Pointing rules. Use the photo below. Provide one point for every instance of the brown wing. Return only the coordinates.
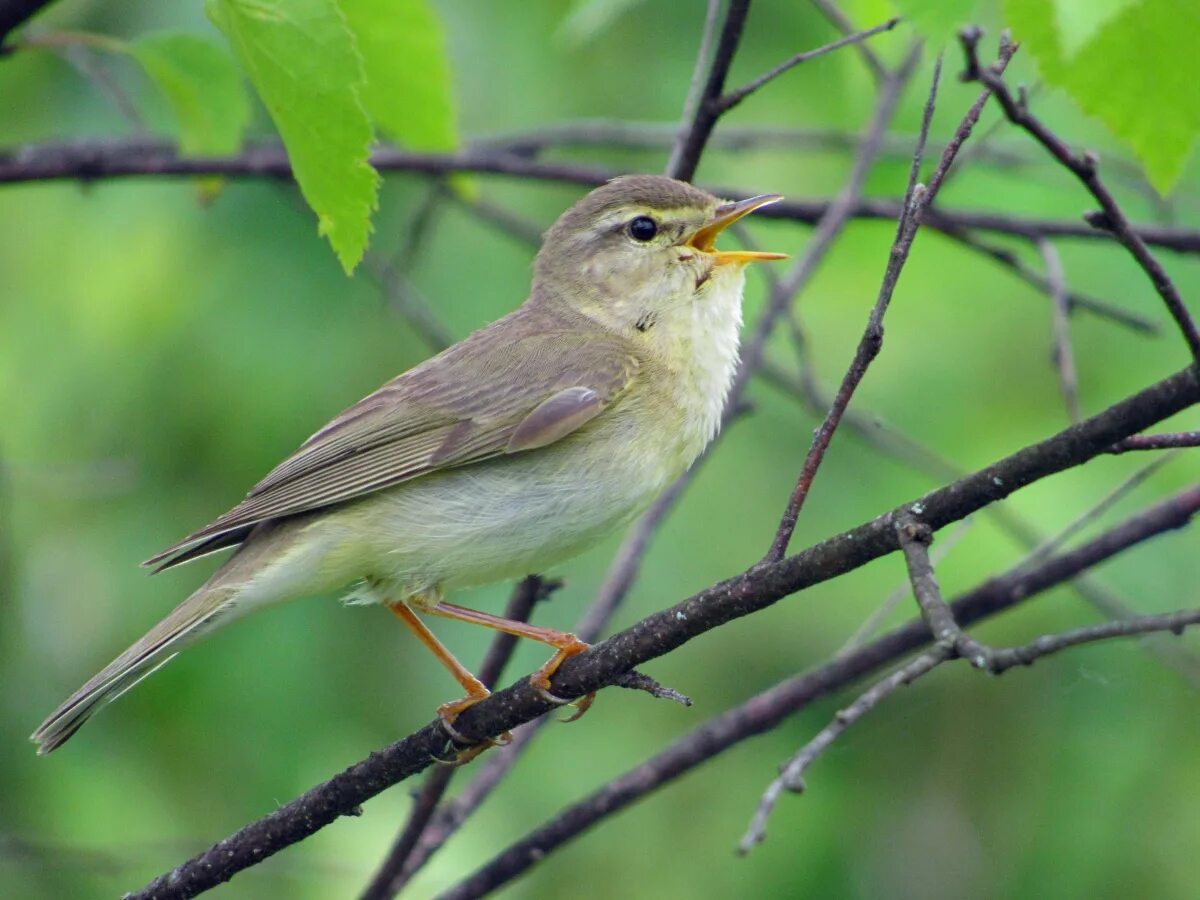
(499, 391)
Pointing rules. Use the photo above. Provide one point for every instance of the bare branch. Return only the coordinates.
(733, 98)
(696, 88)
(767, 709)
(1026, 655)
(1061, 354)
(915, 537)
(1086, 168)
(792, 776)
(89, 161)
(686, 155)
(1157, 442)
(842, 23)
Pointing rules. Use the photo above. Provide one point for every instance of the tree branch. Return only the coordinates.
(686, 155)
(89, 161)
(728, 101)
(1086, 168)
(767, 709)
(1157, 442)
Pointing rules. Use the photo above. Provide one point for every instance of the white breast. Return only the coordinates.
(703, 352)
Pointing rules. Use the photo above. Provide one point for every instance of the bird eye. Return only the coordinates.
(643, 228)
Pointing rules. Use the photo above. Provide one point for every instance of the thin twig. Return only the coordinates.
(1075, 301)
(686, 155)
(871, 341)
(1086, 167)
(767, 709)
(786, 289)
(1045, 645)
(792, 776)
(917, 200)
(731, 99)
(1061, 354)
(842, 23)
(915, 537)
(696, 88)
(1157, 441)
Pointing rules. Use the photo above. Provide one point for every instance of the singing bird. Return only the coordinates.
(505, 454)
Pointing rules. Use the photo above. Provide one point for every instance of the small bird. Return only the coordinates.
(507, 453)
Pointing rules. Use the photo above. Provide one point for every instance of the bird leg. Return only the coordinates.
(476, 690)
(565, 646)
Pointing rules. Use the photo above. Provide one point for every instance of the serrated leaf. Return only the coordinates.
(1138, 74)
(937, 20)
(300, 57)
(1079, 20)
(409, 89)
(204, 87)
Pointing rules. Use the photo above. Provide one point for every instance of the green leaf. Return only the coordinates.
(301, 58)
(1138, 73)
(1079, 20)
(204, 87)
(937, 20)
(408, 90)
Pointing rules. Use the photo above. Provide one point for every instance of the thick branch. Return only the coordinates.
(662, 632)
(767, 709)
(137, 157)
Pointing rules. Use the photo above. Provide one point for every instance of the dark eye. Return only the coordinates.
(643, 228)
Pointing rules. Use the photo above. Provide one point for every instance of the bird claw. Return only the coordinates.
(581, 704)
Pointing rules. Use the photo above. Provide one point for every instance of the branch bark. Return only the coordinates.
(90, 161)
(767, 709)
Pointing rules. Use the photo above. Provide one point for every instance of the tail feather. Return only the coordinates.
(194, 617)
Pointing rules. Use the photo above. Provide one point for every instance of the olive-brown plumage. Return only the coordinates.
(513, 449)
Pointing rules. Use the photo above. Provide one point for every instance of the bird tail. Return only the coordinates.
(194, 617)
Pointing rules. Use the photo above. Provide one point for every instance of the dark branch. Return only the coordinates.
(1086, 167)
(1157, 442)
(734, 97)
(687, 153)
(767, 709)
(89, 161)
(917, 200)
(1074, 301)
(1026, 655)
(662, 632)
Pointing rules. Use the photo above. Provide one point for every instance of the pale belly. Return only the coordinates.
(479, 524)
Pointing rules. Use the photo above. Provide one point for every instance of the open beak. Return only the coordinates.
(705, 239)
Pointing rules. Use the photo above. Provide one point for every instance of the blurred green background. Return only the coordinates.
(158, 355)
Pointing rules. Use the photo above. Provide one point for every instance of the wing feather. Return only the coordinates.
(461, 407)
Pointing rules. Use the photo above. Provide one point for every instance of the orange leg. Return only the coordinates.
(565, 645)
(476, 690)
